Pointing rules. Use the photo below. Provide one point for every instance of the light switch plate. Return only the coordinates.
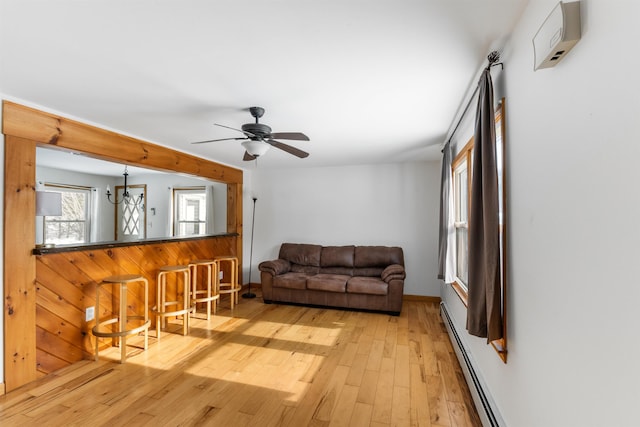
(89, 314)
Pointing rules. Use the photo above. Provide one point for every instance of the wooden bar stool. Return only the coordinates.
(182, 305)
(230, 286)
(121, 320)
(211, 293)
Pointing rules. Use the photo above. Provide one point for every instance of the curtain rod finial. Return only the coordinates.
(493, 57)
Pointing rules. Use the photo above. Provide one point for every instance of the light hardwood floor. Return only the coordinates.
(265, 365)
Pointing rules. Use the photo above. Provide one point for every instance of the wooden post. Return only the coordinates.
(19, 264)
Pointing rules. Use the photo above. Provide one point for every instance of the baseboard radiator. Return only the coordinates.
(484, 403)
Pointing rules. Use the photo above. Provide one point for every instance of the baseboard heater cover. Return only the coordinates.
(484, 403)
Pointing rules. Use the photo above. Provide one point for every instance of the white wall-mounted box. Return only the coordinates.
(557, 35)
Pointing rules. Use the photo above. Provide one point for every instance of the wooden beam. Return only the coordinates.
(234, 220)
(19, 264)
(59, 132)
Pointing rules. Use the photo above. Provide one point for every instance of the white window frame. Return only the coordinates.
(463, 162)
(57, 220)
(178, 214)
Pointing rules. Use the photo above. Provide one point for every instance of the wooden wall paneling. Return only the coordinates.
(118, 261)
(48, 363)
(71, 294)
(50, 343)
(19, 265)
(176, 254)
(61, 264)
(52, 302)
(59, 327)
(201, 251)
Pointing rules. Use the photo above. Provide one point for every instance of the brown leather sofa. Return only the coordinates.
(357, 277)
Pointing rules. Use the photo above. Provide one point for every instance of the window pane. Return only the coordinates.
(462, 249)
(190, 212)
(71, 226)
(74, 206)
(461, 193)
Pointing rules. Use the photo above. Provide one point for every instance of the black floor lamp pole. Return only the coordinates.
(253, 221)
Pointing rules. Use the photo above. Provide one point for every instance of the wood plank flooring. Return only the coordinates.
(264, 365)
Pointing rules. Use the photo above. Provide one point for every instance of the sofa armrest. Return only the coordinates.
(275, 267)
(393, 272)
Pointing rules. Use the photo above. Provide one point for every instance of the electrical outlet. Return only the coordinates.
(89, 313)
(221, 275)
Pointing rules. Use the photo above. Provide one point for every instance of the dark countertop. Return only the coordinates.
(114, 244)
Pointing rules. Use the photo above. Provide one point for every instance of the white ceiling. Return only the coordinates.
(373, 81)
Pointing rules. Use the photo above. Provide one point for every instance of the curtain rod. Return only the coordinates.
(493, 59)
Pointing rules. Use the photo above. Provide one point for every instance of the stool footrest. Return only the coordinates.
(172, 313)
(124, 333)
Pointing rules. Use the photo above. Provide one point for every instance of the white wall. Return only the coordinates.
(572, 153)
(391, 204)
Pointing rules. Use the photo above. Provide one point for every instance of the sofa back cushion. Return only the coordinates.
(337, 260)
(304, 258)
(372, 260)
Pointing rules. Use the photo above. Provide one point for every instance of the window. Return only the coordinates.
(189, 211)
(461, 166)
(73, 226)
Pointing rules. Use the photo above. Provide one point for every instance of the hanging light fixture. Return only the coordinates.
(126, 197)
(256, 147)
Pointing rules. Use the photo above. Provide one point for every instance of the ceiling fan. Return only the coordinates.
(259, 138)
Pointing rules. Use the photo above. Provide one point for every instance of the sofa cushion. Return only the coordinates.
(343, 271)
(367, 285)
(368, 272)
(377, 256)
(304, 269)
(300, 253)
(291, 281)
(328, 282)
(337, 256)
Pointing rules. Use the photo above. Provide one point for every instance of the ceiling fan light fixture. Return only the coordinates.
(256, 148)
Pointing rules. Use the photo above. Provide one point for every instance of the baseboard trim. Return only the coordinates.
(421, 298)
(253, 286)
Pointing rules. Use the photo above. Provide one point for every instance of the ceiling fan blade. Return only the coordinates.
(289, 149)
(216, 140)
(298, 136)
(239, 130)
(248, 157)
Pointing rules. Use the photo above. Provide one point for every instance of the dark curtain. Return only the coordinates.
(484, 317)
(445, 184)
